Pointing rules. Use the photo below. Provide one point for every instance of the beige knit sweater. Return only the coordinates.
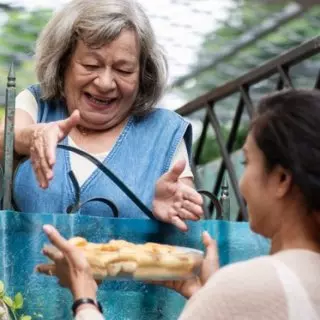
(285, 286)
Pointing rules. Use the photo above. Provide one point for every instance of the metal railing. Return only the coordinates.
(8, 145)
(280, 66)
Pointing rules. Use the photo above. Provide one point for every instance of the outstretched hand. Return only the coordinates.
(210, 265)
(43, 144)
(175, 200)
(70, 266)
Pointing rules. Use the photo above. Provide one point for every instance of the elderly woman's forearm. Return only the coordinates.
(22, 138)
(24, 127)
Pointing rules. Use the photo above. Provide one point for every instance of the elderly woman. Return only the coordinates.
(281, 185)
(100, 75)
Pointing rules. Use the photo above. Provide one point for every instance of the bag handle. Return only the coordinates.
(214, 199)
(112, 177)
(75, 207)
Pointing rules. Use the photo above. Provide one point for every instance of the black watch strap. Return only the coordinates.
(81, 301)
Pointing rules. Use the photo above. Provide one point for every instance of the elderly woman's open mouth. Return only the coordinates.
(100, 102)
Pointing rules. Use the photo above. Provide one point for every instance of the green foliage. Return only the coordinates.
(20, 32)
(18, 301)
(17, 43)
(14, 305)
(244, 17)
(211, 150)
(1, 289)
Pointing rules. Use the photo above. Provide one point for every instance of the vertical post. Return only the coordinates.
(9, 139)
(227, 160)
(225, 199)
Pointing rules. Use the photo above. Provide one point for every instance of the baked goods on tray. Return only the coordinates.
(149, 261)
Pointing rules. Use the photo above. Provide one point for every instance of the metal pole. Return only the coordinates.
(9, 139)
(225, 199)
(226, 158)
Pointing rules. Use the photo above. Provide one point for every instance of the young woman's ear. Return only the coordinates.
(283, 181)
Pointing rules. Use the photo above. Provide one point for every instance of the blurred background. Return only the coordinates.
(208, 43)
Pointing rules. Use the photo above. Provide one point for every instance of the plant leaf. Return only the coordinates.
(8, 301)
(1, 288)
(18, 301)
(25, 318)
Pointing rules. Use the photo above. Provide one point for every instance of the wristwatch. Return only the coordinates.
(81, 301)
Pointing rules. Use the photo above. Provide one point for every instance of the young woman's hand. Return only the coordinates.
(210, 265)
(70, 266)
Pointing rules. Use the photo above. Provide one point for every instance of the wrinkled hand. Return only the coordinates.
(70, 266)
(176, 201)
(44, 140)
(210, 265)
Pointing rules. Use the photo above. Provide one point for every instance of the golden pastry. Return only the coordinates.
(120, 258)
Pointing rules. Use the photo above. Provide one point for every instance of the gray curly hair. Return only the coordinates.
(98, 22)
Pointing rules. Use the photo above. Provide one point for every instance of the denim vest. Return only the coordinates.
(142, 153)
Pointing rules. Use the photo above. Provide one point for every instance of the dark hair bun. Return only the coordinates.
(287, 130)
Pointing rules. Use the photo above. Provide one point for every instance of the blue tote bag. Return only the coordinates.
(22, 239)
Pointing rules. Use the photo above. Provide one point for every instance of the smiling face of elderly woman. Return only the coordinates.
(102, 57)
(103, 83)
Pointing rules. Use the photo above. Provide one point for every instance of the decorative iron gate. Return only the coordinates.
(279, 66)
